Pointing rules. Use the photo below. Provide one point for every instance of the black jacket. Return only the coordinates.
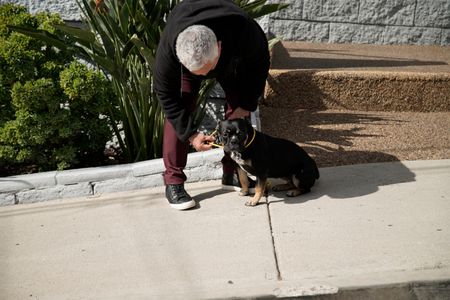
(243, 64)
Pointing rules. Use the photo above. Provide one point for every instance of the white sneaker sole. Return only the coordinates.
(183, 206)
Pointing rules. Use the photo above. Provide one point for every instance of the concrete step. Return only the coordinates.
(359, 77)
(351, 104)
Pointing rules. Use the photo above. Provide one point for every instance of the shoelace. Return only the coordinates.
(178, 191)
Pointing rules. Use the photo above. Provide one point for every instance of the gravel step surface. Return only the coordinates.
(336, 137)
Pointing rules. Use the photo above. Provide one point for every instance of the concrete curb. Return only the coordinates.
(432, 289)
(52, 185)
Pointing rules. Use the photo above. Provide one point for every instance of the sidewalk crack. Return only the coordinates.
(274, 248)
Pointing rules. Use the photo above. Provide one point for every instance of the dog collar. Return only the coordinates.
(253, 138)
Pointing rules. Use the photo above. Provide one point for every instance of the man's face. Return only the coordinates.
(210, 65)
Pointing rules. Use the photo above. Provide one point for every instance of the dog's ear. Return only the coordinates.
(246, 120)
(249, 124)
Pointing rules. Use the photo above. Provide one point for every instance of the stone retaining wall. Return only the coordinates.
(332, 21)
(45, 186)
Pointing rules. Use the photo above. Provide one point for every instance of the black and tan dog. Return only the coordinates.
(264, 156)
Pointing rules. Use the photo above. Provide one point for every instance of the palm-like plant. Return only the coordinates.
(121, 38)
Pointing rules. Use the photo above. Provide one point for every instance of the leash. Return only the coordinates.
(212, 143)
(253, 138)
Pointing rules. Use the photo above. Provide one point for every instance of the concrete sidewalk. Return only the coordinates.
(361, 228)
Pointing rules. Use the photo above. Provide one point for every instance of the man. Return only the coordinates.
(205, 39)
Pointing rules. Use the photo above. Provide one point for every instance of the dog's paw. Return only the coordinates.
(296, 192)
(250, 203)
(293, 193)
(244, 192)
(282, 187)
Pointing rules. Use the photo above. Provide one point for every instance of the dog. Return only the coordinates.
(264, 156)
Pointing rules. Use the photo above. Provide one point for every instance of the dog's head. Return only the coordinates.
(234, 134)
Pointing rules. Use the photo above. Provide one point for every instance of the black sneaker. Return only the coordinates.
(231, 182)
(178, 197)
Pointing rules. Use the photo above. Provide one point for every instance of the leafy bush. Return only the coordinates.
(52, 108)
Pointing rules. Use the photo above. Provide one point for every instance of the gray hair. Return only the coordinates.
(196, 46)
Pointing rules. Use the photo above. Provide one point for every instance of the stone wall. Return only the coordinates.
(92, 182)
(332, 21)
(68, 9)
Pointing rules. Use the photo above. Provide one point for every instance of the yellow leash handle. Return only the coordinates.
(215, 145)
(212, 143)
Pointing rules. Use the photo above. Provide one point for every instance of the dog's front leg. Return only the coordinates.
(243, 179)
(259, 191)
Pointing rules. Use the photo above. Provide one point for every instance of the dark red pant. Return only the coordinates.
(175, 151)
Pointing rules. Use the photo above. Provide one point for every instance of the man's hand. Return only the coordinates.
(239, 113)
(200, 141)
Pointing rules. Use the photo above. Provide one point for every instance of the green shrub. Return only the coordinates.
(55, 134)
(52, 108)
(23, 58)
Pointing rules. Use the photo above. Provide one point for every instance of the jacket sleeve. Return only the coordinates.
(254, 67)
(167, 75)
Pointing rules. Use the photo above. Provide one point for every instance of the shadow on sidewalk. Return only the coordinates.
(337, 183)
(352, 181)
(208, 195)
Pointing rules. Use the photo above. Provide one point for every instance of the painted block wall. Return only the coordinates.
(364, 21)
(414, 22)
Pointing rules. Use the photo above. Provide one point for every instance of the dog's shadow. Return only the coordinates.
(208, 195)
(350, 181)
(342, 182)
